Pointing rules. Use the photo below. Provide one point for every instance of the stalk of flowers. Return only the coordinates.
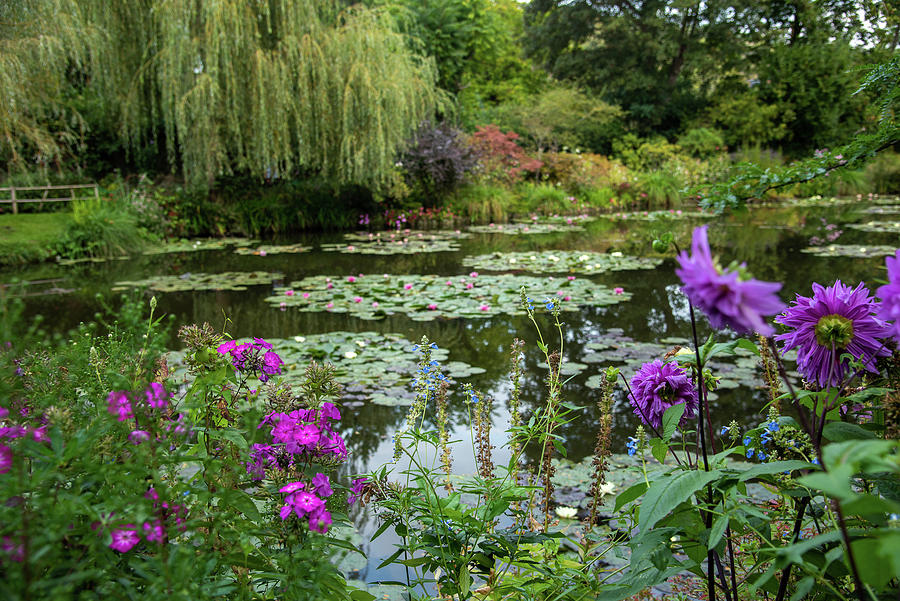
(253, 358)
(306, 500)
(426, 382)
(167, 517)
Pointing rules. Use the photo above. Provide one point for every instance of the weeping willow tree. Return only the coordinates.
(44, 44)
(264, 87)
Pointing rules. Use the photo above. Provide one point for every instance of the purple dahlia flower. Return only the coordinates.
(890, 295)
(725, 298)
(836, 320)
(656, 387)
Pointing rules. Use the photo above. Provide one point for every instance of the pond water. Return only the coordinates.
(475, 325)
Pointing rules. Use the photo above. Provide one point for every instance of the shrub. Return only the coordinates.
(578, 172)
(702, 141)
(660, 189)
(542, 198)
(501, 157)
(642, 154)
(437, 161)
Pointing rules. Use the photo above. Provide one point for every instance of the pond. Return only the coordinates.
(325, 296)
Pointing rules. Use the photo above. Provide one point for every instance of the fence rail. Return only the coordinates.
(17, 200)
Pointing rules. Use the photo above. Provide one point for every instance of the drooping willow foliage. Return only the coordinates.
(40, 43)
(262, 87)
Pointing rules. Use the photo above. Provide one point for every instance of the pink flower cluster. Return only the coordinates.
(11, 431)
(307, 500)
(151, 403)
(126, 536)
(256, 358)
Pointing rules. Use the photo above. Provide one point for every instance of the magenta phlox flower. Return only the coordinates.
(727, 299)
(334, 444)
(304, 502)
(262, 343)
(262, 456)
(320, 520)
(322, 485)
(119, 405)
(12, 432)
(154, 533)
(138, 436)
(328, 411)
(39, 434)
(834, 321)
(227, 347)
(6, 458)
(4, 412)
(14, 551)
(124, 538)
(656, 387)
(292, 487)
(359, 484)
(890, 295)
(156, 395)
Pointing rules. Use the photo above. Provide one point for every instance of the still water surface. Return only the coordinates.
(768, 239)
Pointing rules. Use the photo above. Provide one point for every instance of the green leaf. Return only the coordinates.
(666, 493)
(240, 501)
(659, 449)
(775, 467)
(843, 431)
(670, 420)
(630, 494)
(465, 581)
(231, 435)
(359, 595)
(717, 530)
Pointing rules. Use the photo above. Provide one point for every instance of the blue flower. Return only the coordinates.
(765, 438)
(761, 455)
(747, 441)
(549, 304)
(773, 426)
(631, 445)
(750, 452)
(815, 461)
(724, 430)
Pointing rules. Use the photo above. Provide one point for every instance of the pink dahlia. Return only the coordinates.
(890, 295)
(656, 387)
(726, 298)
(837, 320)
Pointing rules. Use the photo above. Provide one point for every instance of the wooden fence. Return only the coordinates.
(16, 197)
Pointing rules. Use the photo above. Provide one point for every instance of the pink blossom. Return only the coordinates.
(484, 308)
(432, 306)
(306, 295)
(351, 248)
(618, 290)
(329, 286)
(570, 278)
(357, 299)
(289, 293)
(375, 305)
(282, 305)
(407, 286)
(474, 274)
(449, 283)
(567, 298)
(351, 279)
(262, 253)
(469, 286)
(560, 293)
(123, 539)
(329, 306)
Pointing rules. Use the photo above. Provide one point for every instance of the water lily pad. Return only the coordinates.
(850, 250)
(229, 280)
(880, 227)
(426, 297)
(272, 249)
(560, 261)
(883, 210)
(399, 242)
(513, 229)
(180, 246)
(371, 367)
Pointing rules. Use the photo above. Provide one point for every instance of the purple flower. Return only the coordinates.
(271, 364)
(123, 539)
(726, 298)
(262, 455)
(320, 520)
(138, 436)
(262, 343)
(356, 491)
(6, 458)
(890, 295)
(154, 532)
(322, 485)
(156, 396)
(226, 347)
(836, 320)
(303, 502)
(656, 387)
(119, 405)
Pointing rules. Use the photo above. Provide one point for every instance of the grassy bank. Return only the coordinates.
(31, 237)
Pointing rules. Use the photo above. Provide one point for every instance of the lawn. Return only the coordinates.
(30, 236)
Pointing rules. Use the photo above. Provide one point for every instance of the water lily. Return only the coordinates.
(351, 279)
(618, 290)
(289, 293)
(299, 339)
(357, 299)
(484, 308)
(350, 355)
(432, 307)
(567, 513)
(329, 306)
(306, 295)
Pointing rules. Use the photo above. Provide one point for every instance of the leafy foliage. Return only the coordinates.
(437, 161)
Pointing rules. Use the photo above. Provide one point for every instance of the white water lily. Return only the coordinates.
(615, 254)
(360, 343)
(607, 488)
(512, 260)
(583, 258)
(553, 258)
(299, 339)
(566, 512)
(349, 354)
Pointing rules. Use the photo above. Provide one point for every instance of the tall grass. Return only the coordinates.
(480, 203)
(542, 198)
(102, 228)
